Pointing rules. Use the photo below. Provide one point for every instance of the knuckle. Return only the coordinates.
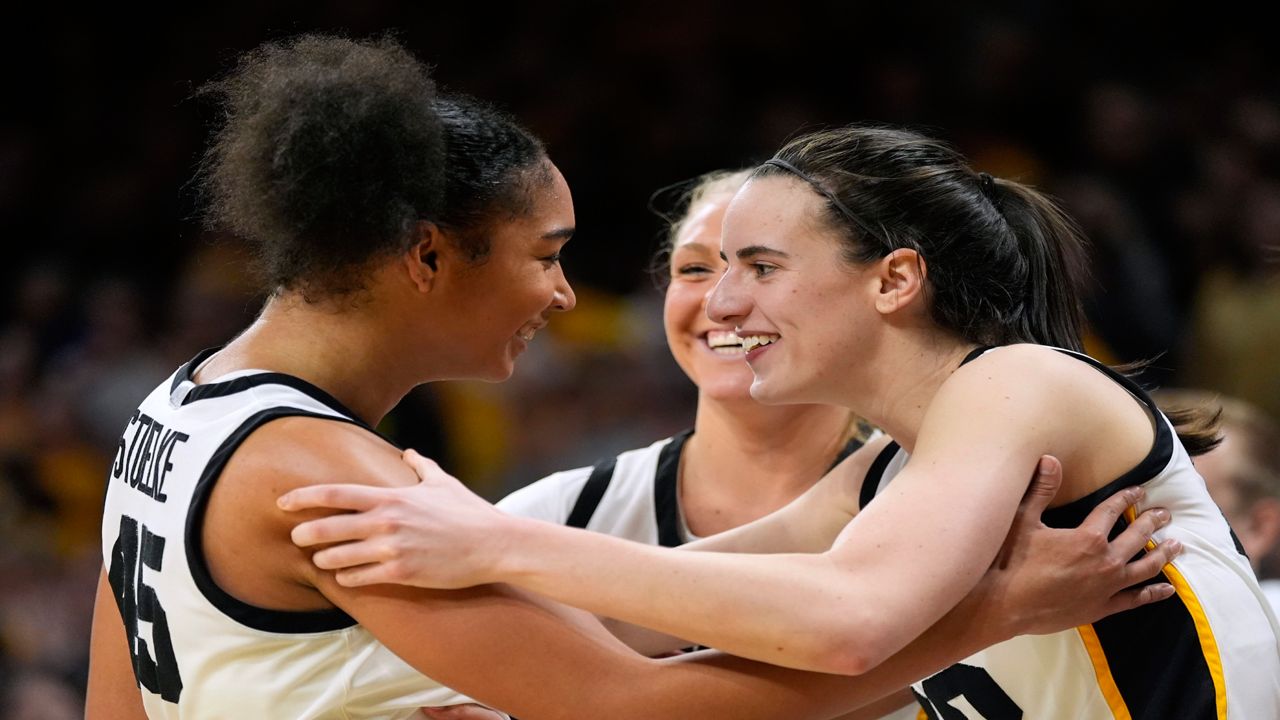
(1110, 565)
(395, 571)
(391, 552)
(1095, 539)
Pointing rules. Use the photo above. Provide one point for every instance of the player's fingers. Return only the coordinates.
(355, 554)
(1149, 565)
(1135, 537)
(373, 574)
(424, 467)
(338, 497)
(1043, 488)
(1130, 599)
(337, 528)
(1103, 517)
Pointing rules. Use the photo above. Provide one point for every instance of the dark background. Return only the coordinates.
(1158, 128)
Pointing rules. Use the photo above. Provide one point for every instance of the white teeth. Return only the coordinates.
(751, 342)
(721, 339)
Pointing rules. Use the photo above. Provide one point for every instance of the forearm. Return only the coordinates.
(958, 635)
(703, 597)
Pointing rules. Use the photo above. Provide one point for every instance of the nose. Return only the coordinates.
(726, 303)
(564, 300)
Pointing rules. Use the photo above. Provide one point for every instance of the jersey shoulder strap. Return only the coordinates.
(589, 499)
(875, 474)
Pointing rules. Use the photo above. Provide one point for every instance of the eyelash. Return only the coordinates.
(693, 270)
(762, 269)
(552, 259)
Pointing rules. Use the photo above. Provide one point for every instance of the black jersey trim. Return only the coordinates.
(240, 384)
(666, 491)
(592, 492)
(275, 621)
(1156, 460)
(875, 474)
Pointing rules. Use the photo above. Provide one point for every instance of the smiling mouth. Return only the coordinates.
(724, 342)
(526, 333)
(751, 342)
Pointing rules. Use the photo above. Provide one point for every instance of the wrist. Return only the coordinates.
(987, 622)
(509, 550)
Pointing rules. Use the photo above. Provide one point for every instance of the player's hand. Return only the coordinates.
(463, 712)
(1046, 580)
(436, 534)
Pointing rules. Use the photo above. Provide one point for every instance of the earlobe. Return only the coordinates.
(423, 259)
(900, 279)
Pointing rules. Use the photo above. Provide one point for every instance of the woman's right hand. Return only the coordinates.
(1046, 579)
(435, 534)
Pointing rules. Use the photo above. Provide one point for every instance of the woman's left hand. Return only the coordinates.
(435, 534)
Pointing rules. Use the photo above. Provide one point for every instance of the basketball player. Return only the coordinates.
(873, 268)
(741, 461)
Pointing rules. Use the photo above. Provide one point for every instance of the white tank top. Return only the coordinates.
(1212, 652)
(197, 651)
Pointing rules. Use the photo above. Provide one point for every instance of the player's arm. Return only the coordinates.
(808, 524)
(113, 691)
(554, 663)
(883, 582)
(811, 522)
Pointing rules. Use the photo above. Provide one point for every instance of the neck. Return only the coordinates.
(746, 460)
(904, 380)
(345, 350)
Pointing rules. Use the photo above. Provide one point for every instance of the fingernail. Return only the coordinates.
(284, 502)
(1163, 516)
(1164, 590)
(1139, 493)
(1176, 547)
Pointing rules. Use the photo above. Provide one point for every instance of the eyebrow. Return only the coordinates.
(694, 247)
(751, 251)
(563, 233)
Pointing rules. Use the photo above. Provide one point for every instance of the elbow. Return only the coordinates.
(852, 648)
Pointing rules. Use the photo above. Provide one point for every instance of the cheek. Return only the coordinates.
(681, 307)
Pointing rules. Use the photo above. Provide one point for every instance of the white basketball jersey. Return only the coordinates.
(1212, 652)
(197, 651)
(633, 496)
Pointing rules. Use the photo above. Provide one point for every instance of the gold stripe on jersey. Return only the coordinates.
(1208, 645)
(1106, 683)
(1207, 641)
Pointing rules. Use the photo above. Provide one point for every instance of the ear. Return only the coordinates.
(1264, 525)
(900, 278)
(423, 259)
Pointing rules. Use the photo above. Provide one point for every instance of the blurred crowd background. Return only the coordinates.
(1158, 128)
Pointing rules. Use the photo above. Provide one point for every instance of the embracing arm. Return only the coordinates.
(555, 663)
(113, 692)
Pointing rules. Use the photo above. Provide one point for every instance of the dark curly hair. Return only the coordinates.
(492, 167)
(329, 153)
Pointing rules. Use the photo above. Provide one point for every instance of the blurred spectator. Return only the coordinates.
(1235, 327)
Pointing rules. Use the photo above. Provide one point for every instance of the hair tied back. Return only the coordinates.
(988, 185)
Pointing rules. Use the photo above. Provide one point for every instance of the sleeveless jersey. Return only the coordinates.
(197, 651)
(633, 496)
(1210, 653)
